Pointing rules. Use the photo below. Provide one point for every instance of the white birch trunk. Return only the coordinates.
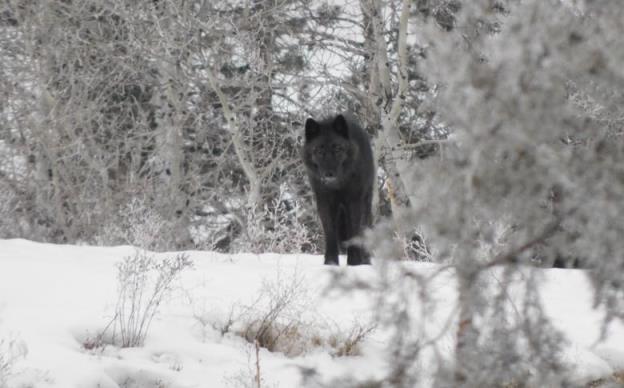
(390, 103)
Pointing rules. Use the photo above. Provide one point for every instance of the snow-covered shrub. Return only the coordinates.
(251, 376)
(11, 351)
(136, 224)
(143, 284)
(281, 319)
(216, 228)
(283, 224)
(346, 343)
(532, 92)
(277, 227)
(276, 319)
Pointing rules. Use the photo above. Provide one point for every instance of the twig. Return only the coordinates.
(507, 257)
(258, 385)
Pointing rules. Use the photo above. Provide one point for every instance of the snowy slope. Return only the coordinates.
(54, 298)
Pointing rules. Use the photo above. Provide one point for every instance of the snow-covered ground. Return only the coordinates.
(54, 299)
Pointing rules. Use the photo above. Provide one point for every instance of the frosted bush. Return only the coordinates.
(136, 224)
(277, 228)
(143, 284)
(11, 351)
(530, 89)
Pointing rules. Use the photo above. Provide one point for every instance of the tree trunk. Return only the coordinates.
(170, 147)
(389, 103)
(242, 153)
(466, 335)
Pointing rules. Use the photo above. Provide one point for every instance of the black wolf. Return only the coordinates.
(339, 160)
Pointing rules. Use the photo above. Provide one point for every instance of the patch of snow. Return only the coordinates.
(56, 298)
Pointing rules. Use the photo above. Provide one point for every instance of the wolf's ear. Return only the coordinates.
(312, 129)
(341, 127)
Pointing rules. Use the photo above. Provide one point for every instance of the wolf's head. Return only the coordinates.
(328, 153)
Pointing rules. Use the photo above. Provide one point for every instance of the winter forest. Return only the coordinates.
(159, 230)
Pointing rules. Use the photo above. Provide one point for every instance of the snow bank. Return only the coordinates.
(56, 298)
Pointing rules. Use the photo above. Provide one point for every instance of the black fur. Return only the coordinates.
(339, 161)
